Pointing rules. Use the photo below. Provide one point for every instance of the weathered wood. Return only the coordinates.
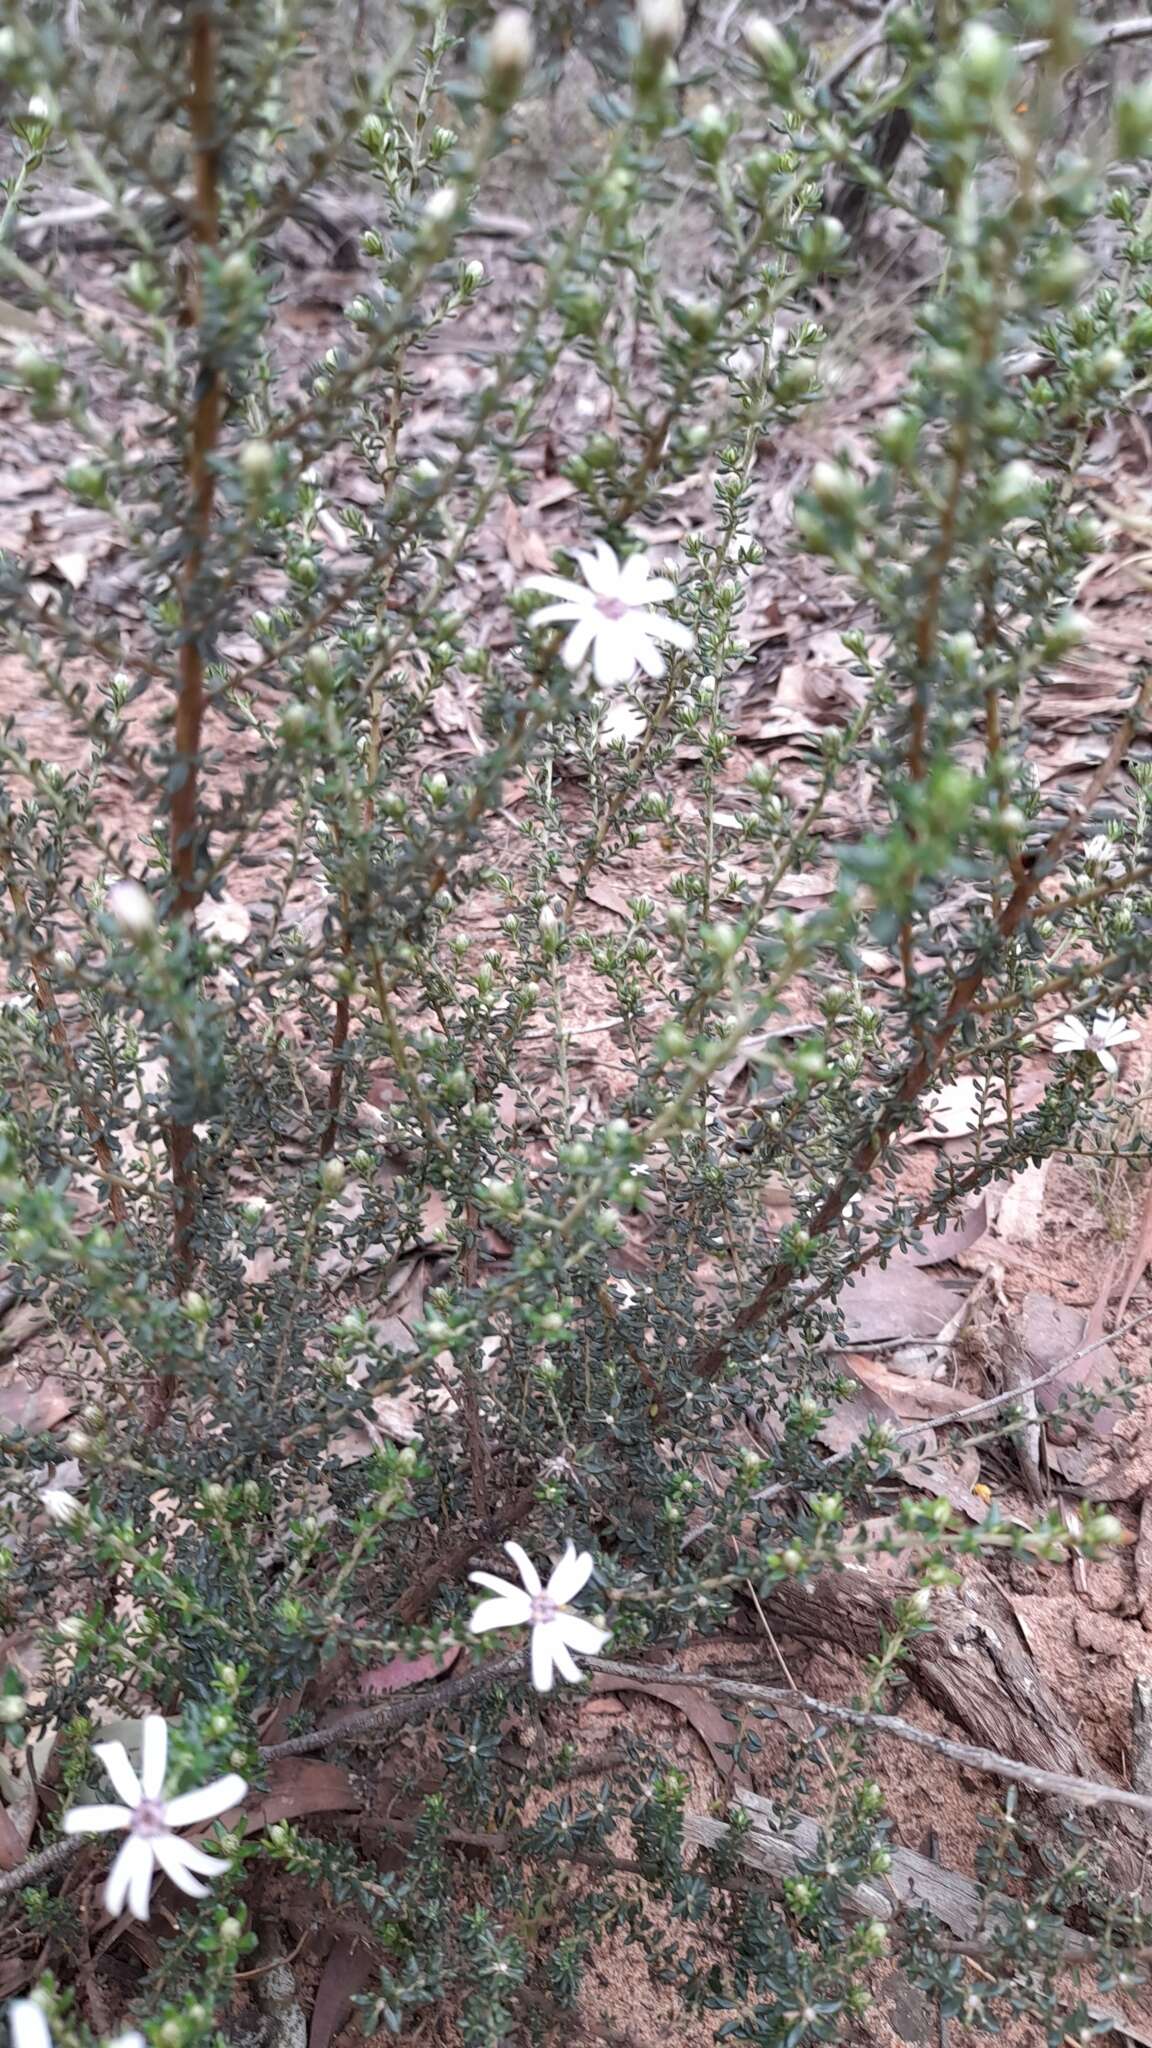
(913, 1881)
(976, 1668)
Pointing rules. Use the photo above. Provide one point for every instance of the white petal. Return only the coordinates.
(570, 1576)
(583, 1635)
(551, 614)
(563, 1662)
(524, 1566)
(613, 661)
(95, 1820)
(168, 1850)
(114, 1758)
(129, 2040)
(622, 721)
(154, 1755)
(489, 1580)
(130, 1879)
(189, 1807)
(646, 653)
(673, 632)
(1107, 1060)
(510, 1613)
(601, 570)
(541, 1657)
(557, 586)
(175, 1855)
(579, 640)
(633, 584)
(27, 2026)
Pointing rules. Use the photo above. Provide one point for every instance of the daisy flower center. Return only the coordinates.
(612, 607)
(148, 1818)
(542, 1611)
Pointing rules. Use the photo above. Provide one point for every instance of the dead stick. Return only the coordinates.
(1077, 1791)
(1042, 1379)
(400, 1712)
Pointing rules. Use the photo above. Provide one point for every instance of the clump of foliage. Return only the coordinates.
(320, 991)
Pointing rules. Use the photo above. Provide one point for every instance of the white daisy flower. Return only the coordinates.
(1103, 854)
(556, 1631)
(1072, 1035)
(60, 1505)
(149, 1819)
(28, 2028)
(611, 616)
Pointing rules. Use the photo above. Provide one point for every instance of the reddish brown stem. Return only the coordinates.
(336, 1077)
(449, 1563)
(919, 1072)
(184, 822)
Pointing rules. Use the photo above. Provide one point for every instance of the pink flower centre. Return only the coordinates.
(542, 1610)
(612, 607)
(148, 1818)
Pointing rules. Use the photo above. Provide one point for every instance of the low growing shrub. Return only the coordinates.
(342, 1279)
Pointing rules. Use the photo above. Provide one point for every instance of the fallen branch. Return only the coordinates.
(1043, 1379)
(397, 1713)
(1054, 1784)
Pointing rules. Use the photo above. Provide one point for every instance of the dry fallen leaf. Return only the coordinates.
(913, 1400)
(1021, 1210)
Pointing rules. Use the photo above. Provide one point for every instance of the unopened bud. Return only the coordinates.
(130, 908)
(332, 1177)
(257, 461)
(661, 25)
(985, 58)
(1013, 490)
(772, 51)
(835, 488)
(509, 51)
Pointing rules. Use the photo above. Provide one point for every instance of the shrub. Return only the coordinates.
(291, 1013)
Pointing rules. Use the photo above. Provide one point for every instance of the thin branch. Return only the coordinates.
(1055, 1784)
(184, 821)
(1044, 1379)
(397, 1713)
(402, 1711)
(922, 1069)
(449, 1563)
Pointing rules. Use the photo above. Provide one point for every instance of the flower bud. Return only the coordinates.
(332, 1176)
(551, 931)
(295, 725)
(257, 464)
(709, 133)
(509, 52)
(772, 51)
(36, 371)
(835, 488)
(985, 59)
(130, 908)
(1013, 490)
(440, 210)
(87, 481)
(661, 26)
